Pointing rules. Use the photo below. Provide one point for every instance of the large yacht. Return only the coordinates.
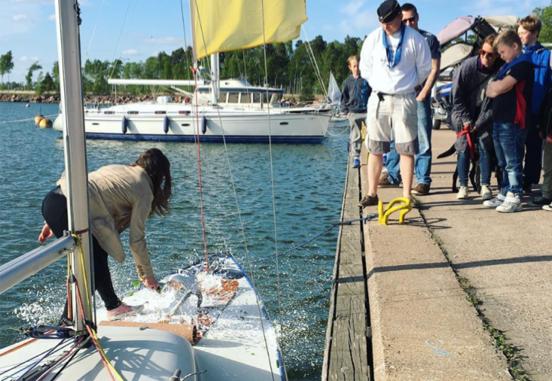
(239, 113)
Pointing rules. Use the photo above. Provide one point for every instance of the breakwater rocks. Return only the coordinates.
(28, 98)
(89, 99)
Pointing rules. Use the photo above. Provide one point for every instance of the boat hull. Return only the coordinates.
(230, 127)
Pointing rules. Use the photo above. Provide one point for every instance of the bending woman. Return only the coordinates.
(120, 197)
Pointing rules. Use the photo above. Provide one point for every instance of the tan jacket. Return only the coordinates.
(119, 197)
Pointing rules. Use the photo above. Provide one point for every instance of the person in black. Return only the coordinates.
(469, 116)
(354, 99)
(511, 93)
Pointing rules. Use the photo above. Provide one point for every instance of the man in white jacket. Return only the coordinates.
(396, 60)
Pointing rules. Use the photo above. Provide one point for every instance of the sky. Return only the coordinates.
(136, 29)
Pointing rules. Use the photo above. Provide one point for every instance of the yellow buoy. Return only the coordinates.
(37, 119)
(45, 123)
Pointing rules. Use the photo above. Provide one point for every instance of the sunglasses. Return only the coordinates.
(487, 54)
(409, 20)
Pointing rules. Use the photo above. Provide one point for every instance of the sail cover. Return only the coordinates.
(223, 25)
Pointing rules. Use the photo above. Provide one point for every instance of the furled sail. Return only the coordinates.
(223, 25)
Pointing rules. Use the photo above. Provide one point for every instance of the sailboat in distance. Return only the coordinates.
(206, 323)
(228, 110)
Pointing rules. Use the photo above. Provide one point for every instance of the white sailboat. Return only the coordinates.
(207, 323)
(239, 115)
(337, 120)
(229, 111)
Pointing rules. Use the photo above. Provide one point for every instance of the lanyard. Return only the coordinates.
(393, 60)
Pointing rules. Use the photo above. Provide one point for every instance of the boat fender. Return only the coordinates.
(38, 118)
(124, 125)
(166, 124)
(45, 123)
(203, 125)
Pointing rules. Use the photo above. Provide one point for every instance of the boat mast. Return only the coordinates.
(68, 20)
(215, 76)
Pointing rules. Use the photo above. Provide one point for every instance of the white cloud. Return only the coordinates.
(165, 40)
(130, 52)
(28, 59)
(502, 7)
(52, 17)
(19, 17)
(353, 7)
(359, 18)
(32, 2)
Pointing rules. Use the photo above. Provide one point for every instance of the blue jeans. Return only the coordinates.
(422, 161)
(509, 142)
(463, 164)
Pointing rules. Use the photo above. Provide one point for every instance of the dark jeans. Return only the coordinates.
(54, 211)
(509, 141)
(533, 156)
(463, 164)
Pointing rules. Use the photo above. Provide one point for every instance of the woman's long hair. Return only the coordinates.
(158, 167)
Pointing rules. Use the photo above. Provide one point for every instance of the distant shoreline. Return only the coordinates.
(31, 97)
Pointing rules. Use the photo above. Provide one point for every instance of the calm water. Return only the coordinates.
(308, 182)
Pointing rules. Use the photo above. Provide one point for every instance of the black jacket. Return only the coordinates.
(354, 96)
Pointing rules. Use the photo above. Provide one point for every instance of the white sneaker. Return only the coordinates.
(486, 193)
(462, 193)
(511, 204)
(495, 202)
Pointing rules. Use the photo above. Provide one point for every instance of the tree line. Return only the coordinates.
(302, 67)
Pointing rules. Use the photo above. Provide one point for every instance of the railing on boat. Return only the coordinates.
(25, 266)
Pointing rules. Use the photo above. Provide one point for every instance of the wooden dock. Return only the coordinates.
(348, 350)
(419, 300)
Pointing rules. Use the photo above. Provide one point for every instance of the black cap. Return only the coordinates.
(388, 10)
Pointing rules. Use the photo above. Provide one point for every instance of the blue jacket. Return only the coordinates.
(540, 57)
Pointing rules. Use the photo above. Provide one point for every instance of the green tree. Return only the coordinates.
(545, 14)
(55, 75)
(95, 76)
(6, 64)
(45, 84)
(29, 76)
(151, 68)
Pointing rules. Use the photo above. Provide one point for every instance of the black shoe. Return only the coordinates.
(527, 189)
(369, 201)
(540, 201)
(421, 189)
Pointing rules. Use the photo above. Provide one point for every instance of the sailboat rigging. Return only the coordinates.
(230, 109)
(228, 335)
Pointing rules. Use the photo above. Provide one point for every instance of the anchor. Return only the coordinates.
(403, 205)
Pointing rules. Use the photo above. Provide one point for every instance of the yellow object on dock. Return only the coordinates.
(403, 205)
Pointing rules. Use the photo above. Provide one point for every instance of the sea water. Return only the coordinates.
(239, 183)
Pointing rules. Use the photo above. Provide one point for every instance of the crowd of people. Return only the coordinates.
(500, 110)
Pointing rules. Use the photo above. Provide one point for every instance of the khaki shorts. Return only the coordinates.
(395, 118)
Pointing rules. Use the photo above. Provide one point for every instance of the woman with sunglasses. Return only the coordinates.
(472, 118)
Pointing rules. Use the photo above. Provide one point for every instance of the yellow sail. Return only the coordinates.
(223, 25)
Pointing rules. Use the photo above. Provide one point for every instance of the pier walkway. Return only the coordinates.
(459, 292)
